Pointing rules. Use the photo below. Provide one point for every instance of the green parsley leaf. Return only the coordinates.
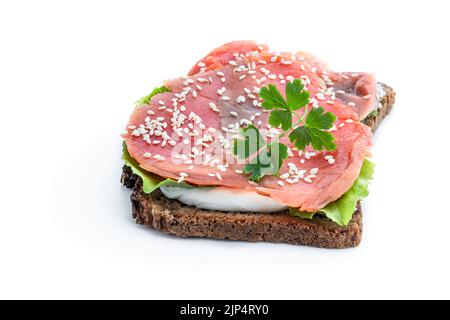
(318, 119)
(258, 170)
(313, 130)
(304, 136)
(312, 133)
(268, 162)
(321, 140)
(278, 153)
(272, 98)
(281, 118)
(253, 141)
(262, 164)
(295, 95)
(300, 137)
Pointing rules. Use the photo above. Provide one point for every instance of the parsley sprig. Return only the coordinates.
(311, 128)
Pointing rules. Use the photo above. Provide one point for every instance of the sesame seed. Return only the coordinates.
(233, 114)
(242, 77)
(341, 125)
(349, 121)
(252, 183)
(351, 104)
(280, 183)
(218, 176)
(160, 102)
(220, 73)
(238, 171)
(314, 170)
(201, 65)
(213, 107)
(225, 98)
(150, 112)
(194, 94)
(223, 80)
(221, 91)
(320, 96)
(307, 179)
(367, 97)
(284, 176)
(240, 99)
(147, 155)
(286, 62)
(232, 63)
(159, 157)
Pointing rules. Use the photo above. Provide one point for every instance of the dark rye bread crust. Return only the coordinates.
(173, 217)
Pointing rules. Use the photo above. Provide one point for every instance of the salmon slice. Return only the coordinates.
(186, 134)
(356, 89)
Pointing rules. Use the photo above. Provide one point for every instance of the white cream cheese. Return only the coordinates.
(223, 199)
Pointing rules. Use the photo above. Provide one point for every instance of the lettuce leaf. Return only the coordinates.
(146, 99)
(341, 211)
(150, 181)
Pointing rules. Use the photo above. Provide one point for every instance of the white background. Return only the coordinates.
(69, 74)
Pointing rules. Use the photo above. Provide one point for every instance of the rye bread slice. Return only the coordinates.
(175, 218)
